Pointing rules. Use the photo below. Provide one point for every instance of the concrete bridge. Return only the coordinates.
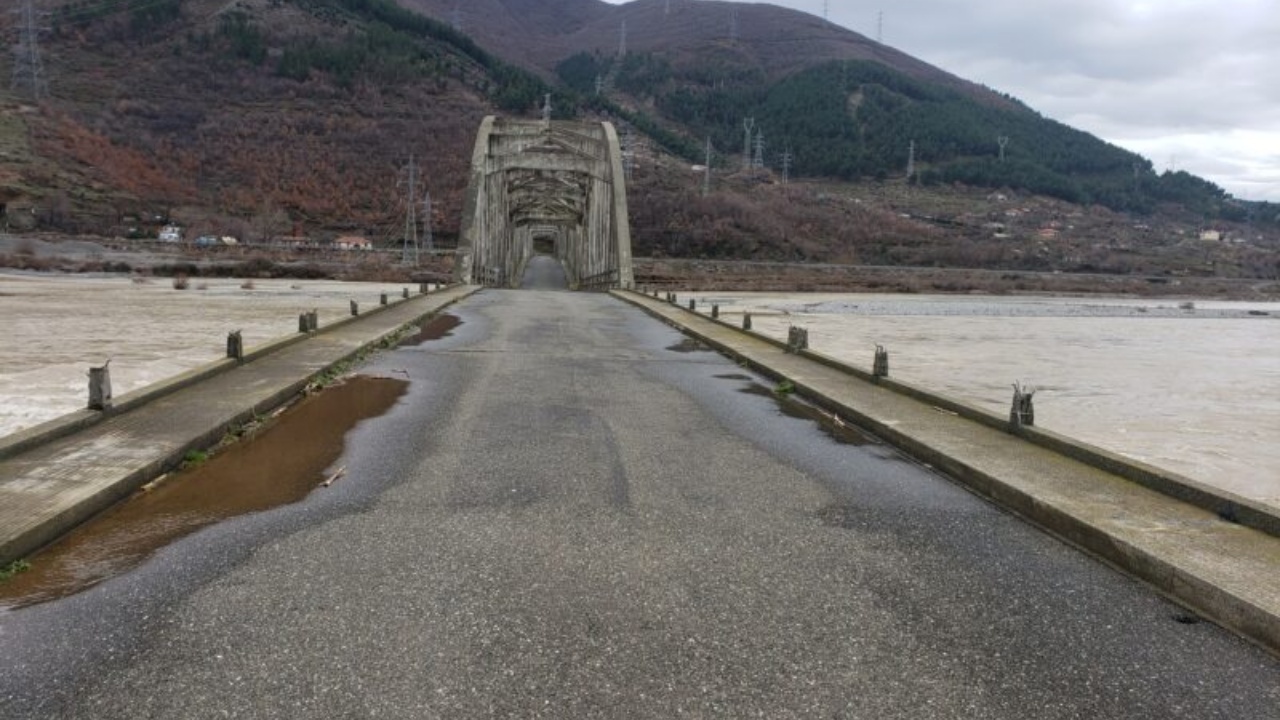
(546, 188)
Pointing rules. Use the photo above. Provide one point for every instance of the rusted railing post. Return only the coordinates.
(235, 345)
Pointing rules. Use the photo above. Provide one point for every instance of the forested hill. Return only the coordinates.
(298, 115)
(860, 119)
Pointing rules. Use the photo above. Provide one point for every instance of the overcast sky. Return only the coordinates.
(1189, 84)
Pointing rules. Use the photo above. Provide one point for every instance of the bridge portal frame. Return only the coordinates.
(534, 180)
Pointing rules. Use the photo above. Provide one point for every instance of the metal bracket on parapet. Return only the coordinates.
(880, 367)
(1022, 412)
(100, 387)
(797, 339)
(235, 345)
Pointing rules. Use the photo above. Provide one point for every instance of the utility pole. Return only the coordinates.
(911, 161)
(629, 152)
(706, 172)
(410, 248)
(546, 111)
(428, 236)
(787, 159)
(880, 27)
(733, 26)
(826, 10)
(748, 125)
(28, 70)
(757, 162)
(599, 84)
(455, 19)
(622, 42)
(1003, 140)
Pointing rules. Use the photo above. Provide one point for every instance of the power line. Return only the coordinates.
(428, 236)
(410, 247)
(706, 172)
(28, 69)
(757, 163)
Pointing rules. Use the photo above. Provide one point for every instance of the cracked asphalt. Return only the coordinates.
(574, 514)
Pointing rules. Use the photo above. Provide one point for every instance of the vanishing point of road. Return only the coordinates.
(574, 512)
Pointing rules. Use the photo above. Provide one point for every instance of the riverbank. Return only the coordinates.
(67, 254)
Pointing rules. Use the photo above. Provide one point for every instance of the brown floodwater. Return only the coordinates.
(278, 465)
(433, 328)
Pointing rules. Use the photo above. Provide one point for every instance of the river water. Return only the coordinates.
(1195, 390)
(55, 327)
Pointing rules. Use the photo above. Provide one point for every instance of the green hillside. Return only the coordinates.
(857, 119)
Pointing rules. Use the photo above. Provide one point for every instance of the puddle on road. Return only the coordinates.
(791, 406)
(689, 345)
(433, 328)
(278, 465)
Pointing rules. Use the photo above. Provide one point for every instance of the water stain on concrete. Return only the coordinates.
(279, 465)
(433, 328)
(792, 406)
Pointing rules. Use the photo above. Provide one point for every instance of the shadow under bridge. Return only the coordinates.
(546, 188)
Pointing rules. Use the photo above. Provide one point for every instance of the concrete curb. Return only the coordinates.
(73, 422)
(1201, 594)
(36, 537)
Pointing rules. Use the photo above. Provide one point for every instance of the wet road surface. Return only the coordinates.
(574, 513)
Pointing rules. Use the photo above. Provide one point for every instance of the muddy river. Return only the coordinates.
(56, 327)
(1191, 386)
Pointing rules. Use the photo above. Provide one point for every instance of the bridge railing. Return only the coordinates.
(601, 281)
(490, 277)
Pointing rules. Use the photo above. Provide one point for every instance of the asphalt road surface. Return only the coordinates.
(544, 273)
(573, 513)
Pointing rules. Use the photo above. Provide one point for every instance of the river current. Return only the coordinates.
(1190, 386)
(56, 327)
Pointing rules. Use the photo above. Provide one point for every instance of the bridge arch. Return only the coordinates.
(536, 184)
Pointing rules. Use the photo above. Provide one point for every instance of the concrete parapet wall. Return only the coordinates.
(1242, 510)
(70, 423)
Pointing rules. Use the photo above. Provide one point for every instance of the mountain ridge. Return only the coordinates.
(263, 118)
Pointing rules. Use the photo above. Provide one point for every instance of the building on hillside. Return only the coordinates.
(170, 233)
(353, 242)
(1211, 235)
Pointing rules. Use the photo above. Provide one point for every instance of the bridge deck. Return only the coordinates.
(1228, 572)
(573, 512)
